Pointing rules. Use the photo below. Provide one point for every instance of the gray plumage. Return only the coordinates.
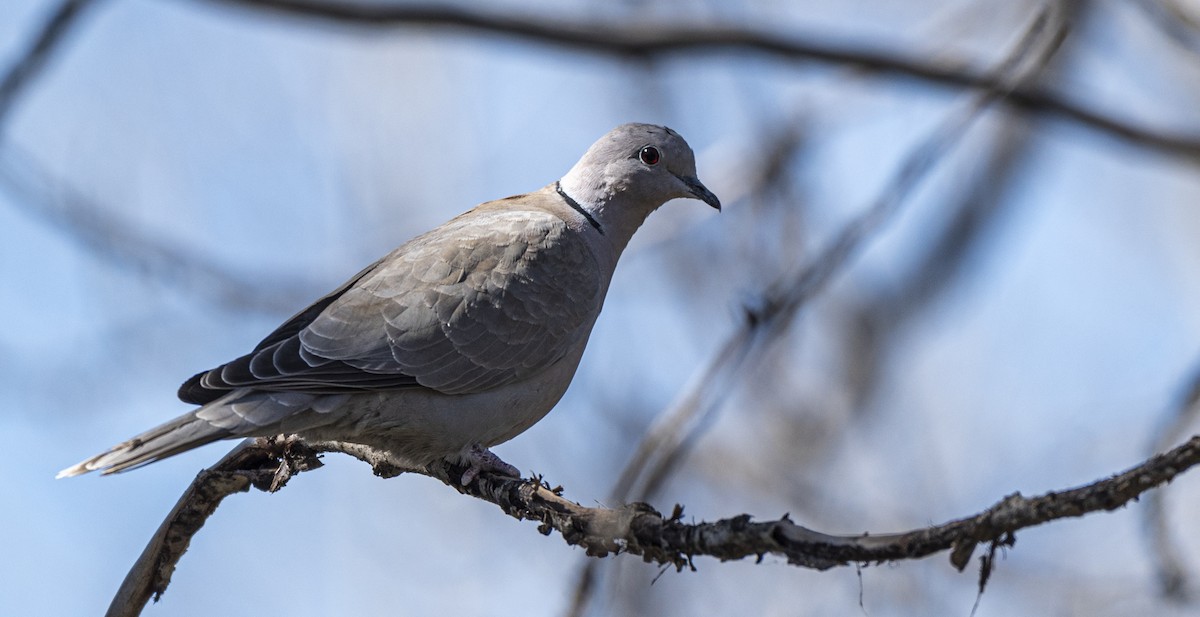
(456, 341)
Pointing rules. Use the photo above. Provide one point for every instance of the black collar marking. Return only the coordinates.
(578, 208)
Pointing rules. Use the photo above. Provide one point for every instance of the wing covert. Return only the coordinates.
(492, 297)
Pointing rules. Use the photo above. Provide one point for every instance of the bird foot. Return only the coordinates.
(481, 459)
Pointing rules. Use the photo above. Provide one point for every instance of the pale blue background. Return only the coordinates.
(294, 154)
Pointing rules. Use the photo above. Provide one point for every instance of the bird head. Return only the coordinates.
(636, 168)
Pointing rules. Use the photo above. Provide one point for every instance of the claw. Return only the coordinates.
(481, 459)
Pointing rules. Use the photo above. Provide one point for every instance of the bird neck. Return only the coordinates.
(607, 207)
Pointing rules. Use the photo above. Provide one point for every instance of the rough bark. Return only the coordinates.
(638, 528)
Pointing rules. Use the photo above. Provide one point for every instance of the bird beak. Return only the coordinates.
(701, 192)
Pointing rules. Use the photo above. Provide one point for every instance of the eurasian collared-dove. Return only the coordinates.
(459, 340)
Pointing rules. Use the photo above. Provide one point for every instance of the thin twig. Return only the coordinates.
(638, 529)
(643, 38)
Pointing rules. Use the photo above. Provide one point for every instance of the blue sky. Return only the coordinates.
(293, 155)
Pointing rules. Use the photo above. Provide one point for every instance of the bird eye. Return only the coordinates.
(649, 155)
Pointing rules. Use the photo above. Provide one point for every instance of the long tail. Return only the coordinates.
(178, 435)
(241, 413)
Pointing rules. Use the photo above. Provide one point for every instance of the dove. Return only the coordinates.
(458, 340)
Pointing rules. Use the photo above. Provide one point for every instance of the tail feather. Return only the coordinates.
(241, 413)
(178, 435)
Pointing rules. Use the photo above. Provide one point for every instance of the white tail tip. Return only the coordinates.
(73, 470)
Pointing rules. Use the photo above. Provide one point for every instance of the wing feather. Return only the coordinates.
(492, 297)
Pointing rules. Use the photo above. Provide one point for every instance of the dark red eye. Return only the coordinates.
(649, 155)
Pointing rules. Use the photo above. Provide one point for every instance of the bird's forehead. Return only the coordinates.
(654, 133)
(629, 137)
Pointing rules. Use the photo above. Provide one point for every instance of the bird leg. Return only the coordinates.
(480, 460)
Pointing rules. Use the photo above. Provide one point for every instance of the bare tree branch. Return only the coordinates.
(263, 465)
(637, 528)
(642, 38)
(31, 63)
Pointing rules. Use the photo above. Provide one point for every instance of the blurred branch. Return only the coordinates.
(52, 199)
(640, 38)
(44, 196)
(874, 322)
(1174, 21)
(673, 433)
(944, 252)
(637, 528)
(33, 60)
(669, 437)
(1172, 572)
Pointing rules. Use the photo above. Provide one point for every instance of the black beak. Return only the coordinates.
(701, 192)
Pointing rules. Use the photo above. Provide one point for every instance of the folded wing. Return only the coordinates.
(492, 297)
